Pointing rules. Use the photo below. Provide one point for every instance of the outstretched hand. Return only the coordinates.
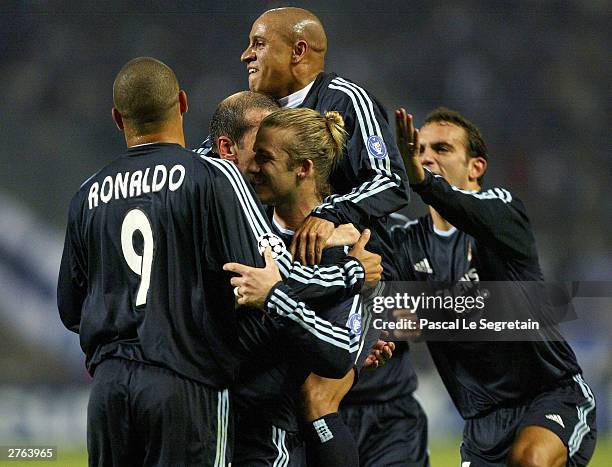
(407, 138)
(371, 262)
(253, 285)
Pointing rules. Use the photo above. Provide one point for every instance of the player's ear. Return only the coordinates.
(183, 102)
(118, 119)
(305, 169)
(299, 51)
(477, 168)
(226, 149)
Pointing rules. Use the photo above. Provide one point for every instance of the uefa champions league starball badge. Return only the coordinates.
(376, 147)
(273, 241)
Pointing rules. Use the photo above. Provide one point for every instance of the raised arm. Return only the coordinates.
(494, 216)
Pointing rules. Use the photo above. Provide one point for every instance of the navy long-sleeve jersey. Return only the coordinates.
(491, 241)
(369, 181)
(141, 273)
(268, 384)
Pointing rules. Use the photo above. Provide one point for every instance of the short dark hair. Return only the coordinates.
(230, 119)
(145, 91)
(475, 144)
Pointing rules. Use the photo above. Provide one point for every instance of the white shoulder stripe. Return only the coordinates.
(89, 178)
(380, 185)
(243, 196)
(329, 276)
(259, 226)
(362, 121)
(254, 216)
(361, 106)
(364, 187)
(582, 427)
(317, 326)
(494, 193)
(374, 190)
(361, 91)
(337, 336)
(372, 115)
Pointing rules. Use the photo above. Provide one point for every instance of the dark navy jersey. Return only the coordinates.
(141, 273)
(491, 240)
(269, 383)
(369, 181)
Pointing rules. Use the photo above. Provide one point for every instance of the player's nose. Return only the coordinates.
(253, 168)
(248, 55)
(427, 158)
(425, 154)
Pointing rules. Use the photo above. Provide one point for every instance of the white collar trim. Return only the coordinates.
(143, 144)
(294, 100)
(444, 233)
(281, 228)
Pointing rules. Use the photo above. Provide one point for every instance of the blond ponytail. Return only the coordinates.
(335, 125)
(316, 137)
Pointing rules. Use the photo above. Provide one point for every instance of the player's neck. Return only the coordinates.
(438, 221)
(303, 79)
(291, 214)
(169, 134)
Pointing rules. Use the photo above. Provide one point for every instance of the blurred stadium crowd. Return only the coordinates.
(535, 75)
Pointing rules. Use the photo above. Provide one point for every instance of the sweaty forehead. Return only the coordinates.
(438, 132)
(269, 26)
(273, 139)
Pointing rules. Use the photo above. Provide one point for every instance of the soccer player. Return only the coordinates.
(285, 58)
(524, 403)
(234, 125)
(295, 151)
(141, 282)
(232, 130)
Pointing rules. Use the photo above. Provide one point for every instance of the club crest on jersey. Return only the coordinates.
(376, 147)
(273, 241)
(354, 322)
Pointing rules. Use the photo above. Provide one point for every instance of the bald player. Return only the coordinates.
(285, 59)
(234, 125)
(142, 282)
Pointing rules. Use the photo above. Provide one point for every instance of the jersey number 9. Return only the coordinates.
(136, 220)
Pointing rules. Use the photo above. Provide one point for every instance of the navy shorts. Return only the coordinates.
(392, 433)
(261, 444)
(145, 415)
(568, 411)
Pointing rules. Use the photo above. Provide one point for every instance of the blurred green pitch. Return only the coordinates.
(443, 454)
